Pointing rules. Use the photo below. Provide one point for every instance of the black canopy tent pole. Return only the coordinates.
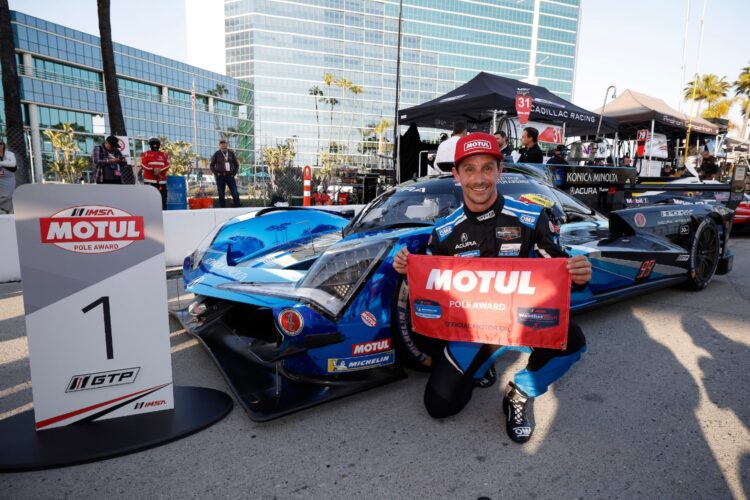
(604, 104)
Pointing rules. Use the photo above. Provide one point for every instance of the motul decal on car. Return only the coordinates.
(369, 319)
(373, 347)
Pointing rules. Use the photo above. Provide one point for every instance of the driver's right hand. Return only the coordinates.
(399, 261)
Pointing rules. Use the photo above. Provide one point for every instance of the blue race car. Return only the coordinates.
(301, 306)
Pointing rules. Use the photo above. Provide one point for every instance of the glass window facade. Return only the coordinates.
(64, 80)
(284, 47)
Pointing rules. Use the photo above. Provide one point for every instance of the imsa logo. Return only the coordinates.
(102, 379)
(149, 404)
(91, 229)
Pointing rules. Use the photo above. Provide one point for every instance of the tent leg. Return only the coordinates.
(650, 143)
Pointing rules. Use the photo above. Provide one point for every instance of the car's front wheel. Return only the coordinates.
(704, 255)
(414, 350)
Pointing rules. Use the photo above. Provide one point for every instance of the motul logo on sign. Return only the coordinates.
(91, 229)
(467, 281)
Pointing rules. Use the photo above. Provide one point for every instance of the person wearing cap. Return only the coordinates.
(7, 178)
(225, 166)
(558, 159)
(108, 162)
(447, 149)
(155, 164)
(530, 152)
(490, 225)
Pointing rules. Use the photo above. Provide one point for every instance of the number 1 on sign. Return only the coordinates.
(104, 301)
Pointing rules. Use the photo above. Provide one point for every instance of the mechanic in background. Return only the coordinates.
(155, 164)
(447, 149)
(485, 226)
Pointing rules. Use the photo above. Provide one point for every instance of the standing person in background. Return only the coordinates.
(225, 166)
(108, 161)
(530, 152)
(447, 149)
(7, 179)
(155, 164)
(505, 148)
(626, 161)
(558, 159)
(708, 169)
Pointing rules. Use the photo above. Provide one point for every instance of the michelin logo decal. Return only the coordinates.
(360, 362)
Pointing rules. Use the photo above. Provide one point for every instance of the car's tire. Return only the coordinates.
(704, 255)
(412, 349)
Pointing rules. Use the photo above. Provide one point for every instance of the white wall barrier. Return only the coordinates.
(10, 269)
(183, 231)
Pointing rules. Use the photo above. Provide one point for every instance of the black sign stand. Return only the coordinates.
(23, 448)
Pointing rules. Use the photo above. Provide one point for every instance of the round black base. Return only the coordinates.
(22, 448)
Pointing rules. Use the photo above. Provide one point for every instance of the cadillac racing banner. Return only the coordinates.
(522, 302)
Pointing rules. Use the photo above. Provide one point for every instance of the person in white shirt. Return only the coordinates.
(7, 179)
(447, 150)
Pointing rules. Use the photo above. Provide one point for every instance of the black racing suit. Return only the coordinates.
(508, 229)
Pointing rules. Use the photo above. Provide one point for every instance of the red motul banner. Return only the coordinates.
(522, 302)
(523, 105)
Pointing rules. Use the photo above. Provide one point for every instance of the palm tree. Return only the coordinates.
(328, 80)
(218, 91)
(13, 116)
(316, 93)
(718, 109)
(114, 108)
(380, 129)
(356, 90)
(344, 85)
(707, 87)
(742, 88)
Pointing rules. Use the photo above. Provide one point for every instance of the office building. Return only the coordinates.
(284, 47)
(61, 79)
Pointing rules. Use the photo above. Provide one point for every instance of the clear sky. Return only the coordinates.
(635, 44)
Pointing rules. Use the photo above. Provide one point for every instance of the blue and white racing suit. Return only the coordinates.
(507, 229)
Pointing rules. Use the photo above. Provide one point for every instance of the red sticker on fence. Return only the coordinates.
(523, 302)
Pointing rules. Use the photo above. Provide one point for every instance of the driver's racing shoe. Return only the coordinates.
(488, 380)
(517, 408)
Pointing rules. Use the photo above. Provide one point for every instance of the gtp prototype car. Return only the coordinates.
(301, 306)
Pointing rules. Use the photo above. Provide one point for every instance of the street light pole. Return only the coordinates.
(601, 113)
(396, 125)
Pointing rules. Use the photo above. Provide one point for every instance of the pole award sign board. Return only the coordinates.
(92, 265)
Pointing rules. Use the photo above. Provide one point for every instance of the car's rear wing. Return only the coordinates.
(608, 188)
(736, 187)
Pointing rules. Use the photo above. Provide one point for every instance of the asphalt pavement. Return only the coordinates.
(658, 408)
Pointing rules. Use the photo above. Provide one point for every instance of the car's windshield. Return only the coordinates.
(410, 206)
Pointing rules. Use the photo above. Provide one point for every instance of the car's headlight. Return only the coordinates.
(332, 280)
(339, 272)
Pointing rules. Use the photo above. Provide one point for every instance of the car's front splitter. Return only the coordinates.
(264, 389)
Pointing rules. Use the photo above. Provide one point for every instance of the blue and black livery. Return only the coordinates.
(283, 295)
